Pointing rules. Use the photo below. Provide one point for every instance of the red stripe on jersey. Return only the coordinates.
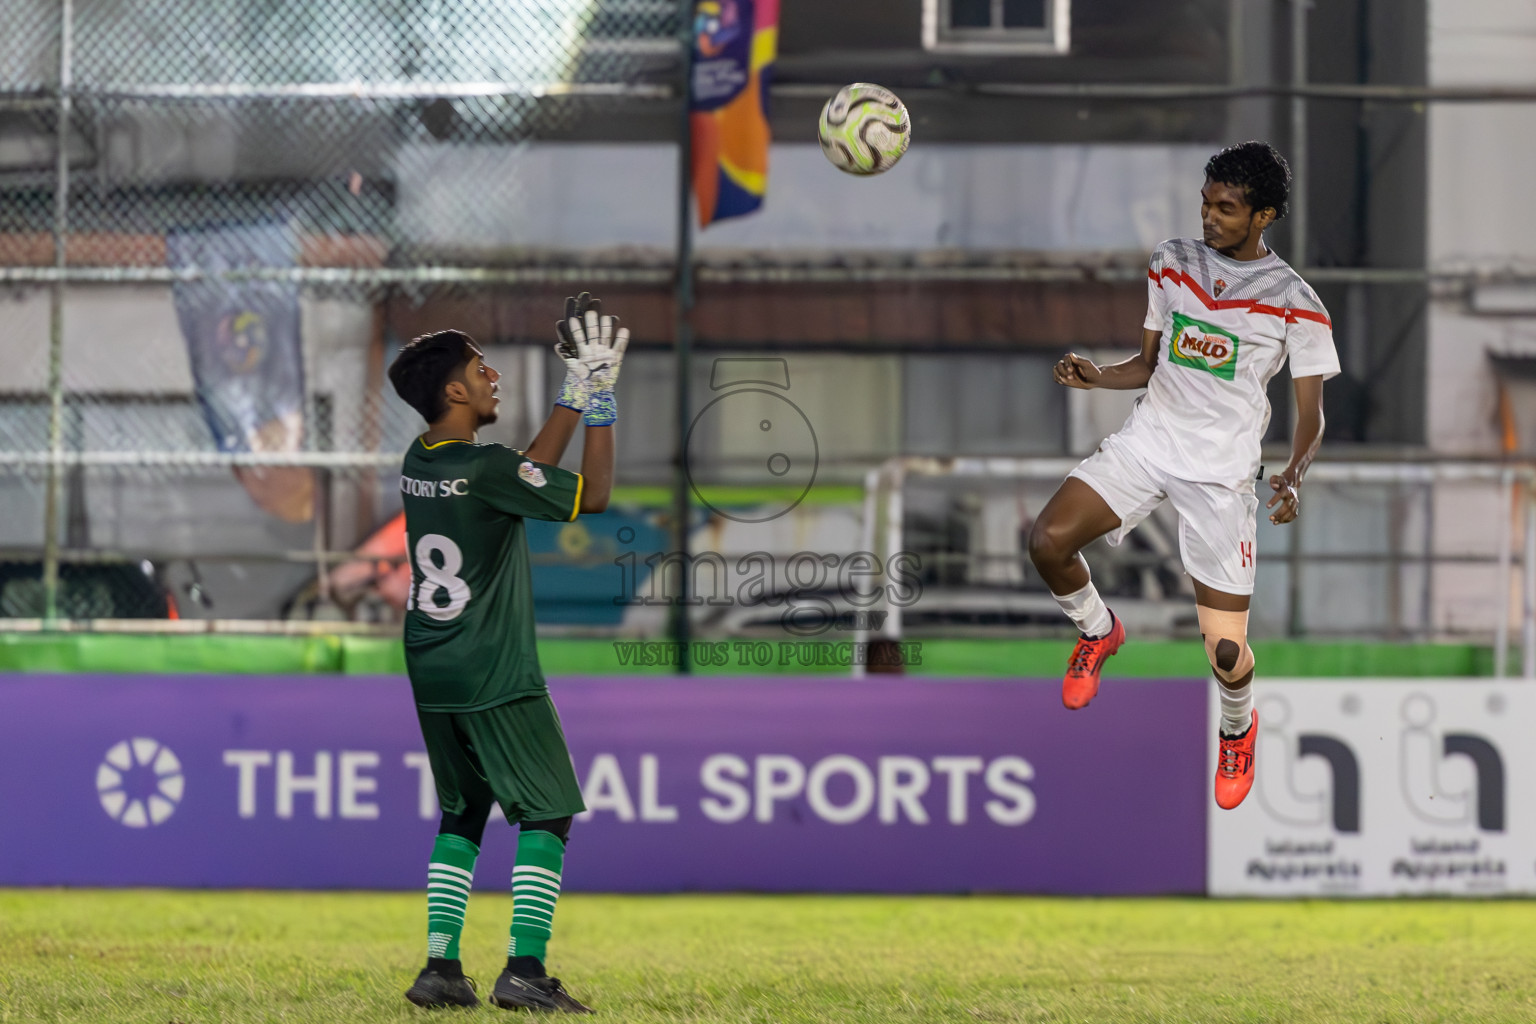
(1290, 316)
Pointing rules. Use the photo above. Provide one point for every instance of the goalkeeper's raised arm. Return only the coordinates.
(592, 347)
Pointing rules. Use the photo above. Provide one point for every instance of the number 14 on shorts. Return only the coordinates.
(1245, 552)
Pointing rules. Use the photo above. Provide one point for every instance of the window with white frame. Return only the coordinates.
(997, 26)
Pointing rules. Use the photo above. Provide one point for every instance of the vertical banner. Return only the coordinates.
(247, 360)
(1384, 788)
(735, 43)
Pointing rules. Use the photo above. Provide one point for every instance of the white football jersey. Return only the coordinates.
(1227, 326)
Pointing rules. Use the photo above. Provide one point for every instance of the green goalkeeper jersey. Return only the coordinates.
(469, 641)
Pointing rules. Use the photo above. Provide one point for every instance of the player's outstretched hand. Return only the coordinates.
(592, 347)
(1074, 371)
(600, 344)
(576, 307)
(574, 391)
(1286, 496)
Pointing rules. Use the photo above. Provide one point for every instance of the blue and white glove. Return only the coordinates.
(592, 347)
(573, 392)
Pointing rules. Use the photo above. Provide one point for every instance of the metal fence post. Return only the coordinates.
(1295, 617)
(682, 510)
(1298, 196)
(1528, 623)
(1506, 574)
(868, 541)
(51, 501)
(895, 511)
(1427, 578)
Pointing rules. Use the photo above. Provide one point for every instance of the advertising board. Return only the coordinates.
(831, 785)
(1381, 787)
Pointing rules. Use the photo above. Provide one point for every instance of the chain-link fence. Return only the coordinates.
(220, 218)
(206, 207)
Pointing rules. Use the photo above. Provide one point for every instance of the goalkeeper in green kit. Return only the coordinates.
(491, 731)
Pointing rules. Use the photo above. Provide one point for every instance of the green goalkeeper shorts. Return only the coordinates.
(514, 754)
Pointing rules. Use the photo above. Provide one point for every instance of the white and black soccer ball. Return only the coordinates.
(864, 129)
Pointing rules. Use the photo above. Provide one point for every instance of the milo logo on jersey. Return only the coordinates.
(1203, 347)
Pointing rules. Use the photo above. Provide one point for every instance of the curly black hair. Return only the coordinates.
(425, 366)
(1257, 169)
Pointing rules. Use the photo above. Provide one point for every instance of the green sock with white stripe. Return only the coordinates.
(535, 888)
(448, 880)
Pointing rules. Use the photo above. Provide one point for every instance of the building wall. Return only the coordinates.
(1052, 198)
(1481, 212)
(1481, 217)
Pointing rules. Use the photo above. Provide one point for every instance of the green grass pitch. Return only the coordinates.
(185, 957)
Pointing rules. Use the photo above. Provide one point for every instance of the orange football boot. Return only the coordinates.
(1234, 766)
(1088, 657)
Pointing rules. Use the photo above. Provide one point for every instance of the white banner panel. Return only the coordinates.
(1383, 787)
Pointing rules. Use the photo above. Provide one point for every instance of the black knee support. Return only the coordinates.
(560, 828)
(468, 825)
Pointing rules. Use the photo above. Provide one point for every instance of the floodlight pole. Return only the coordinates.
(683, 335)
(51, 499)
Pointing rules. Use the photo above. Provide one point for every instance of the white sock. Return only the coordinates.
(1086, 608)
(1236, 708)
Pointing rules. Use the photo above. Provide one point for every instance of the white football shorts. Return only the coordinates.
(1216, 523)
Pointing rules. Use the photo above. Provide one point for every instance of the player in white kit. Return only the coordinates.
(1223, 313)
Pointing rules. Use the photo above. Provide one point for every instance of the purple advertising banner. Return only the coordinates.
(831, 785)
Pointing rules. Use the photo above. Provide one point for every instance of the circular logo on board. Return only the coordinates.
(139, 782)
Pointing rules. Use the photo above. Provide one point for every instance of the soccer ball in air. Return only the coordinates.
(864, 129)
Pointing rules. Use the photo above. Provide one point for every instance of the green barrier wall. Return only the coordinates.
(284, 655)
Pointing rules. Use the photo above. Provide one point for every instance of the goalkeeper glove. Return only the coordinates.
(573, 391)
(592, 347)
